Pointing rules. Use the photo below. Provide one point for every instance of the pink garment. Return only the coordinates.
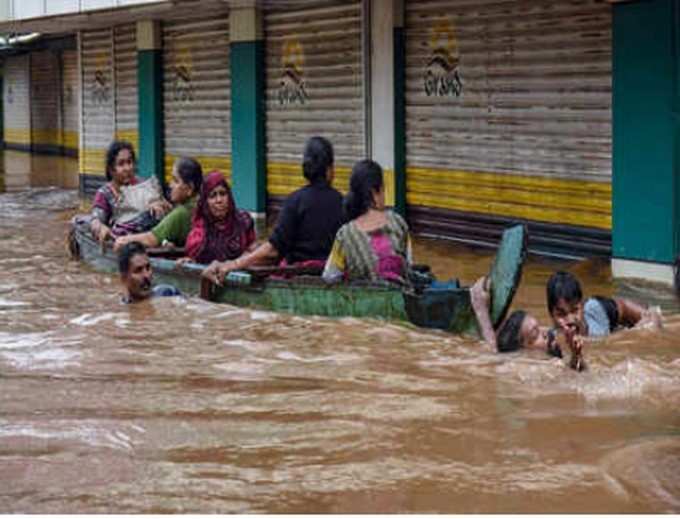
(210, 239)
(390, 266)
(309, 264)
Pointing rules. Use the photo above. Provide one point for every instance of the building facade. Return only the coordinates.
(561, 115)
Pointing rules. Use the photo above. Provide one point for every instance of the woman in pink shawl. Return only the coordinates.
(219, 230)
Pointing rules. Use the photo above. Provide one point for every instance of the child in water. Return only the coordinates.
(573, 318)
(597, 316)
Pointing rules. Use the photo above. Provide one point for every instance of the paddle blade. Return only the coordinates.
(506, 271)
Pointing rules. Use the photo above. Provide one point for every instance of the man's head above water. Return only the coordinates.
(522, 331)
(135, 272)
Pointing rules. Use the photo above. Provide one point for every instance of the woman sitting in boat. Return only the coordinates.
(308, 221)
(173, 229)
(374, 245)
(220, 231)
(120, 172)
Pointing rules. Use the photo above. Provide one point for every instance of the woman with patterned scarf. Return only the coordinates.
(219, 230)
(375, 244)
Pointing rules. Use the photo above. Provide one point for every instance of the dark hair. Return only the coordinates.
(554, 349)
(318, 157)
(563, 285)
(367, 176)
(190, 171)
(114, 149)
(509, 338)
(126, 253)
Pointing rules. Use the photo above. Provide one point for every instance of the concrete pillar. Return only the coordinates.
(388, 142)
(248, 172)
(150, 98)
(646, 133)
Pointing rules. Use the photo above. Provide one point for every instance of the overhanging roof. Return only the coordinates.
(162, 10)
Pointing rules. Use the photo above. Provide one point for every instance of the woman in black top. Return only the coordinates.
(308, 222)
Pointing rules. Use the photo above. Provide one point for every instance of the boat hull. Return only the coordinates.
(447, 309)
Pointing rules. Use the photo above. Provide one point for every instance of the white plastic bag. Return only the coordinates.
(136, 199)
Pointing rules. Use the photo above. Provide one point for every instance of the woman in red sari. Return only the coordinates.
(219, 231)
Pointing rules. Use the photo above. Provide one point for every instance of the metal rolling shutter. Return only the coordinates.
(314, 86)
(45, 112)
(508, 116)
(69, 101)
(197, 86)
(125, 59)
(17, 109)
(98, 91)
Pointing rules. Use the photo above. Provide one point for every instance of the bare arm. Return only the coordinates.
(630, 312)
(575, 343)
(146, 238)
(633, 314)
(160, 208)
(99, 230)
(479, 297)
(263, 254)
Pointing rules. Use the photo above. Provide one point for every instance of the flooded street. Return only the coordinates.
(187, 406)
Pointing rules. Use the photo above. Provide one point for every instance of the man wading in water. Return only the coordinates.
(136, 275)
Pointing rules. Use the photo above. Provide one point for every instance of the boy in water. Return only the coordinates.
(519, 331)
(597, 316)
(573, 319)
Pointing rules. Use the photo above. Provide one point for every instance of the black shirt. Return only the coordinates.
(308, 222)
(610, 309)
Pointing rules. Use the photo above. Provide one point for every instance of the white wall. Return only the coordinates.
(24, 9)
(61, 6)
(27, 8)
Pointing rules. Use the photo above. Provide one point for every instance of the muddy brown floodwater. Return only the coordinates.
(188, 406)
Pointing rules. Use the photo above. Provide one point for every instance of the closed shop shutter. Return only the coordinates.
(17, 109)
(98, 92)
(125, 52)
(69, 101)
(508, 117)
(314, 86)
(45, 112)
(197, 92)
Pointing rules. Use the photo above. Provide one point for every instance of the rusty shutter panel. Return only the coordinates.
(98, 91)
(45, 116)
(17, 112)
(197, 92)
(314, 86)
(509, 116)
(125, 59)
(69, 101)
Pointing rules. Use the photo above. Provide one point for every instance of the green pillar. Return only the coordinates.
(645, 184)
(150, 99)
(248, 165)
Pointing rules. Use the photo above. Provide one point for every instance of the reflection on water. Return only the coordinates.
(21, 170)
(188, 406)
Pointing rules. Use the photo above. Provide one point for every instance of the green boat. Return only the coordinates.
(424, 303)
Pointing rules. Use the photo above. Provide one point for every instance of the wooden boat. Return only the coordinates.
(427, 305)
